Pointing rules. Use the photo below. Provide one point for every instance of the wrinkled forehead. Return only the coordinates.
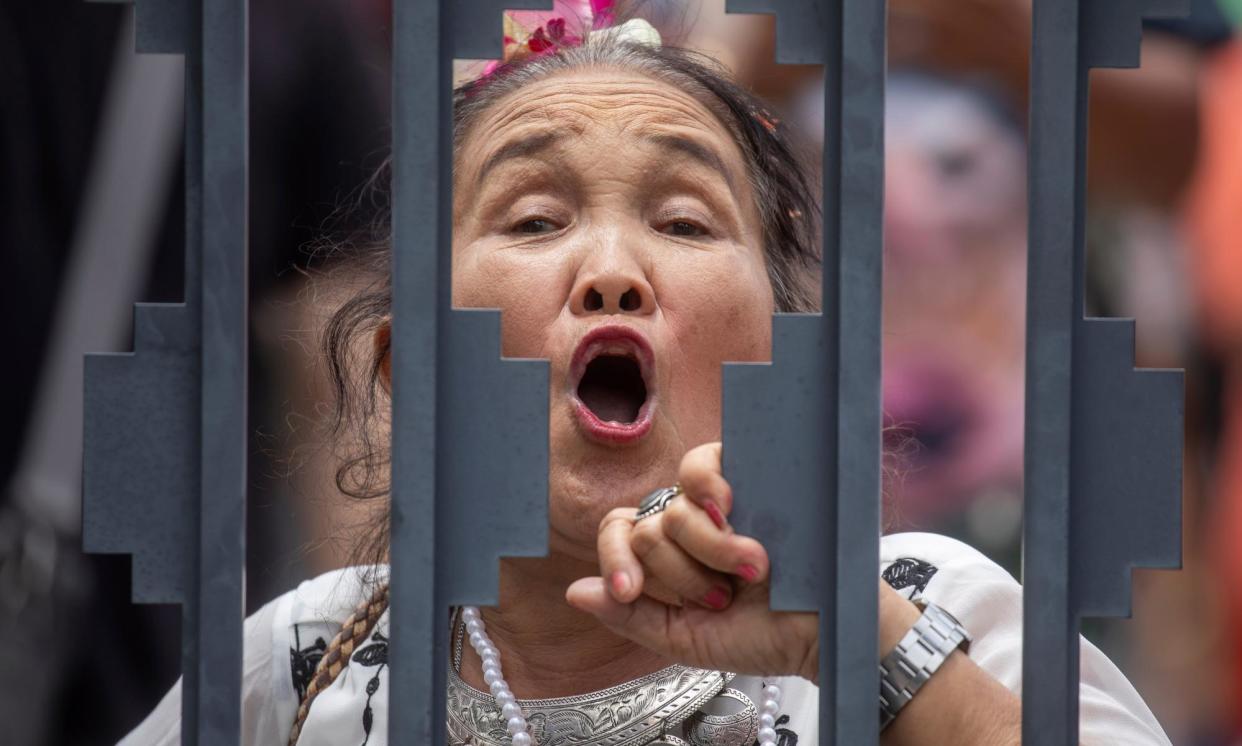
(596, 105)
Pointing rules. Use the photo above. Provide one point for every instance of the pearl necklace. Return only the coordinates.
(519, 729)
(767, 715)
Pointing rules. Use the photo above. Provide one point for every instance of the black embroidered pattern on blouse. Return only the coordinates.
(375, 654)
(908, 571)
(303, 661)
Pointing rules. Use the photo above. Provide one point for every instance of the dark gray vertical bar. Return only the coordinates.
(859, 293)
(1103, 441)
(191, 629)
(833, 711)
(222, 535)
(1053, 301)
(803, 433)
(469, 431)
(421, 206)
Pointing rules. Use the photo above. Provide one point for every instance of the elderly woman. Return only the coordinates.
(638, 218)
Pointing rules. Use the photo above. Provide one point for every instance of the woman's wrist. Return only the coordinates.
(897, 616)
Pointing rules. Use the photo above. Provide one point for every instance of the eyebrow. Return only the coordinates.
(529, 146)
(520, 148)
(696, 151)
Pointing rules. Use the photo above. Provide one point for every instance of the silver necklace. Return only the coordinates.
(638, 713)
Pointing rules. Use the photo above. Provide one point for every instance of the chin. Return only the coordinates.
(587, 479)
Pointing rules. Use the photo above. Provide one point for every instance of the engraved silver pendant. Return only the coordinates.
(676, 706)
(712, 726)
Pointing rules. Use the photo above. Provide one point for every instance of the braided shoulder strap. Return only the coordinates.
(336, 657)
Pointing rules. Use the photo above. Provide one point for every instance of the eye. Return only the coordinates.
(535, 225)
(684, 228)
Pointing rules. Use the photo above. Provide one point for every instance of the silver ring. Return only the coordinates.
(656, 502)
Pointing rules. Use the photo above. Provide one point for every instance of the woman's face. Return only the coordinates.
(609, 216)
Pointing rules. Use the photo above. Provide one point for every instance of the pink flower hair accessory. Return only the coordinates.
(531, 34)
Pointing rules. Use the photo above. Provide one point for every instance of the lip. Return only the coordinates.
(621, 340)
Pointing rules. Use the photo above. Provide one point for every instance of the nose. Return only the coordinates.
(613, 289)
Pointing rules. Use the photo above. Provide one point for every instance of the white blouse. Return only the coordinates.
(285, 638)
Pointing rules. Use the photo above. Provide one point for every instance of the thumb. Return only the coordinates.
(644, 620)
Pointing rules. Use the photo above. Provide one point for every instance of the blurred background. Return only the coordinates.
(91, 204)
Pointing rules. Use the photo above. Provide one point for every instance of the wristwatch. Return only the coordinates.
(903, 671)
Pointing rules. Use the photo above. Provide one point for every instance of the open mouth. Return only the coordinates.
(612, 388)
(612, 369)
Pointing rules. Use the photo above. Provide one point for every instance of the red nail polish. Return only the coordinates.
(748, 572)
(718, 598)
(620, 582)
(713, 512)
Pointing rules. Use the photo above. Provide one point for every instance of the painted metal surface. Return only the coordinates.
(802, 434)
(1103, 440)
(470, 430)
(165, 426)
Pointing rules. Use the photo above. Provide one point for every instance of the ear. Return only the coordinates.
(382, 342)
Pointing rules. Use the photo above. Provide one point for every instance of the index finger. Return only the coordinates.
(702, 480)
(618, 564)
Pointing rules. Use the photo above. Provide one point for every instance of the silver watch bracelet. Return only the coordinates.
(922, 650)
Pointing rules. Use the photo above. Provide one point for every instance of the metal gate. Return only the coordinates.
(166, 433)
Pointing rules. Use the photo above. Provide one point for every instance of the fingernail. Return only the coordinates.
(748, 572)
(718, 598)
(713, 512)
(620, 582)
